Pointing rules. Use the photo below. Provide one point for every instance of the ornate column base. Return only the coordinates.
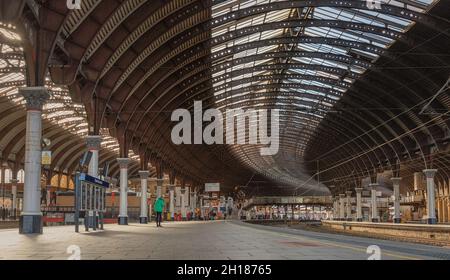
(359, 220)
(123, 221)
(431, 221)
(375, 220)
(29, 224)
(349, 219)
(143, 220)
(397, 220)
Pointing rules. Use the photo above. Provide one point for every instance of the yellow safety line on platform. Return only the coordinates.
(359, 249)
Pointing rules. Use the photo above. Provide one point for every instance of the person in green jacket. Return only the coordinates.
(159, 207)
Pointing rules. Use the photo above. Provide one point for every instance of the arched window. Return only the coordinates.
(21, 176)
(54, 181)
(8, 175)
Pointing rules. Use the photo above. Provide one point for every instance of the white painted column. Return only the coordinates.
(183, 203)
(123, 209)
(14, 196)
(358, 204)
(171, 201)
(373, 200)
(349, 205)
(192, 201)
(342, 206)
(431, 212)
(31, 217)
(93, 143)
(159, 183)
(194, 205)
(143, 218)
(337, 208)
(201, 207)
(396, 187)
(150, 208)
(48, 194)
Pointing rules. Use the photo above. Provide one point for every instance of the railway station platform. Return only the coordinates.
(205, 240)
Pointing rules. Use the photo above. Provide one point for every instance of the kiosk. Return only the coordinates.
(90, 194)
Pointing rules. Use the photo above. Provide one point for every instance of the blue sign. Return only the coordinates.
(93, 180)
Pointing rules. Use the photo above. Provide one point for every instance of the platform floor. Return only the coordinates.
(214, 240)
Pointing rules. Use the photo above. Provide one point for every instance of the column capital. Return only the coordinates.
(35, 97)
(373, 185)
(93, 142)
(144, 174)
(348, 193)
(429, 173)
(171, 187)
(342, 195)
(159, 180)
(183, 190)
(14, 181)
(358, 190)
(123, 162)
(396, 180)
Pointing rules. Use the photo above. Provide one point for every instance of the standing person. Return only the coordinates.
(159, 207)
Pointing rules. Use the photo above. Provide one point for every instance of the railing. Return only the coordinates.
(267, 200)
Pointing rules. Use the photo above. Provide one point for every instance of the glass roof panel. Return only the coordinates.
(331, 66)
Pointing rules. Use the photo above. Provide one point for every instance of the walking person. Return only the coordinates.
(159, 207)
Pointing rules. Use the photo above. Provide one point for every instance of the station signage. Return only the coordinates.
(46, 157)
(93, 180)
(212, 187)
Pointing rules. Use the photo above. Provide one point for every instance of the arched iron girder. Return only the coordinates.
(334, 42)
(164, 147)
(48, 132)
(368, 91)
(144, 27)
(346, 4)
(160, 130)
(266, 94)
(394, 150)
(150, 107)
(286, 24)
(269, 26)
(255, 88)
(339, 58)
(233, 35)
(386, 8)
(331, 70)
(315, 22)
(415, 91)
(337, 125)
(68, 152)
(12, 69)
(304, 39)
(184, 84)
